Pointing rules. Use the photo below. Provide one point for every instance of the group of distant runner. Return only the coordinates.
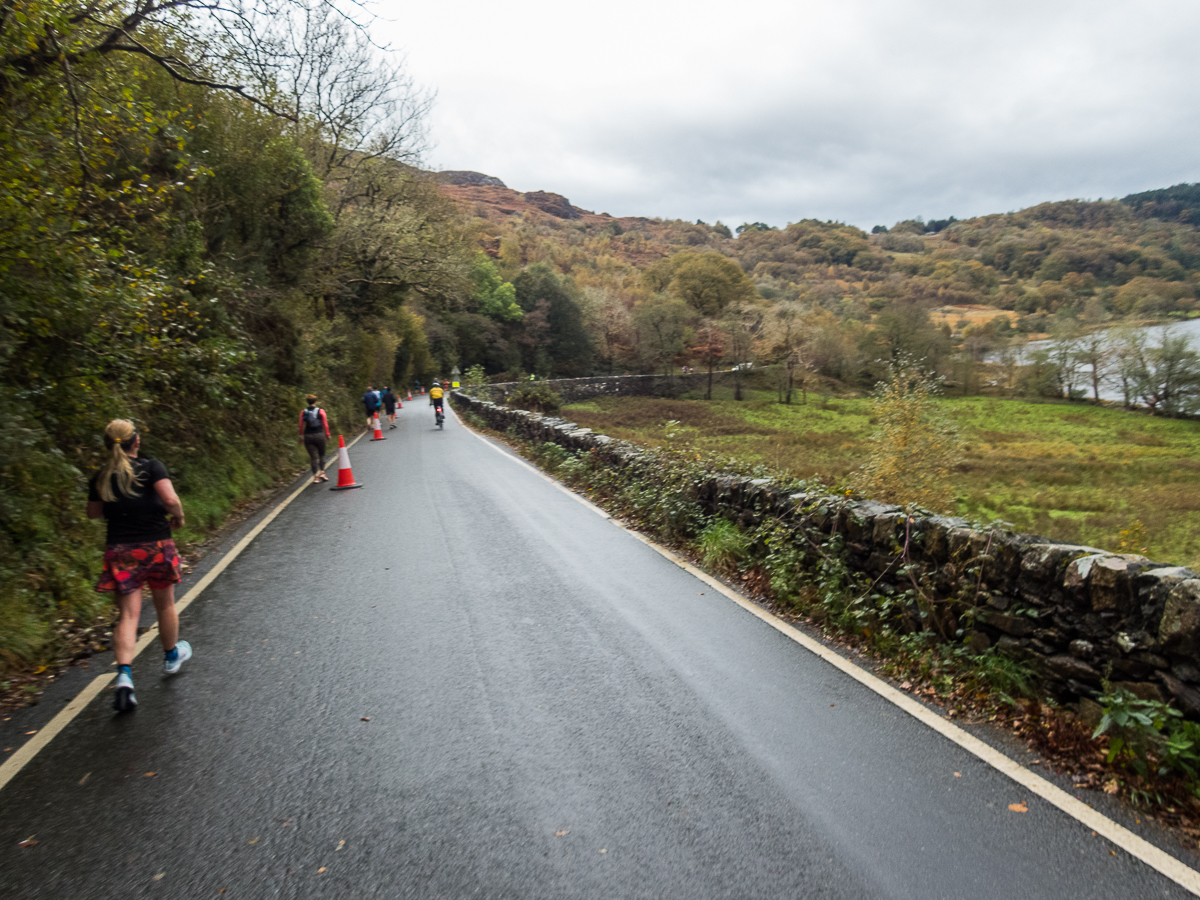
(135, 497)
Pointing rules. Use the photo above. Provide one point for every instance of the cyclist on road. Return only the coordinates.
(436, 399)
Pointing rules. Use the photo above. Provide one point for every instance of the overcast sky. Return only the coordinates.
(865, 112)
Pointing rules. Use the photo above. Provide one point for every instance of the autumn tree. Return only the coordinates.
(741, 325)
(709, 349)
(786, 337)
(607, 319)
(708, 282)
(914, 447)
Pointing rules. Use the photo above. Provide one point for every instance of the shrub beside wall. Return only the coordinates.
(1076, 616)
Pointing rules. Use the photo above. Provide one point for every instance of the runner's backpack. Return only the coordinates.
(312, 419)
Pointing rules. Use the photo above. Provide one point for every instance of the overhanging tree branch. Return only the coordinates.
(172, 67)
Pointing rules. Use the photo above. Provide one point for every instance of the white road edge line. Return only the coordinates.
(50, 730)
(1157, 859)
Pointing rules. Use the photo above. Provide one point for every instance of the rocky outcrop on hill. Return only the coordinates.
(483, 195)
(469, 178)
(555, 204)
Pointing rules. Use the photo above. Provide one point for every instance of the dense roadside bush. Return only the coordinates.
(535, 397)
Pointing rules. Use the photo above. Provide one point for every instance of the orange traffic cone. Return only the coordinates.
(345, 475)
(422, 389)
(400, 405)
(378, 430)
(409, 397)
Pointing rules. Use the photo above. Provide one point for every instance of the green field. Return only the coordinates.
(1082, 474)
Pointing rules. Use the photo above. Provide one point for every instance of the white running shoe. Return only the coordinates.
(123, 699)
(171, 666)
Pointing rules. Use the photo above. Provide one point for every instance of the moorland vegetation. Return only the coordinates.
(1077, 473)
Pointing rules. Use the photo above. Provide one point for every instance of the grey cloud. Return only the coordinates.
(916, 112)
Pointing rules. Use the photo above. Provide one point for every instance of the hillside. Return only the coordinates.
(949, 291)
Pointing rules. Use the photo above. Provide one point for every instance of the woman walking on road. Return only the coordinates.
(314, 432)
(136, 497)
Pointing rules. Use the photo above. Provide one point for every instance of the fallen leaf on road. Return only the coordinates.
(320, 870)
(1111, 786)
(366, 718)
(562, 833)
(149, 774)
(340, 845)
(604, 850)
(905, 685)
(1018, 807)
(32, 732)
(252, 840)
(83, 780)
(28, 842)
(958, 774)
(159, 876)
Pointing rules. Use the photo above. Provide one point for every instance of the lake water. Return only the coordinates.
(1110, 389)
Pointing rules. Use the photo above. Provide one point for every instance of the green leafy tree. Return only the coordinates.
(556, 340)
(664, 329)
(709, 282)
(494, 297)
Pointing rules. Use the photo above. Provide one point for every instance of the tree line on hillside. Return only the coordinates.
(205, 213)
(828, 298)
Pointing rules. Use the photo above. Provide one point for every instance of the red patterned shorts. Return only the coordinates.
(129, 566)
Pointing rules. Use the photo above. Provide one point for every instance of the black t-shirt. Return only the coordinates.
(140, 519)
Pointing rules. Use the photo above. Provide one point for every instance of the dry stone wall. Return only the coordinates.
(575, 390)
(1074, 614)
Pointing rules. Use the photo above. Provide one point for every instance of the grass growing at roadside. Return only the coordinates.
(1091, 475)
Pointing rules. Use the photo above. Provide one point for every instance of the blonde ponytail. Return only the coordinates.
(119, 436)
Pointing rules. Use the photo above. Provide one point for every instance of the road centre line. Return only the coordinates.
(27, 751)
(1135, 846)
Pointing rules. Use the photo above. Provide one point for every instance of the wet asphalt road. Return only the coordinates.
(555, 711)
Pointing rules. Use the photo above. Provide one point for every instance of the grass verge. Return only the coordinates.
(1075, 473)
